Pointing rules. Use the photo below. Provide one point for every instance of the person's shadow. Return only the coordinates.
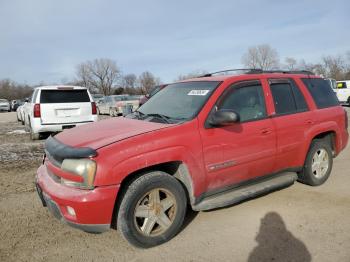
(276, 243)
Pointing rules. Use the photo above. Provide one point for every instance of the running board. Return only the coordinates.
(241, 193)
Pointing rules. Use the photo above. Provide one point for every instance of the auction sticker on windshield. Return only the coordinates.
(198, 92)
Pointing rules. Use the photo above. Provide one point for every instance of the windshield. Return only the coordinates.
(179, 101)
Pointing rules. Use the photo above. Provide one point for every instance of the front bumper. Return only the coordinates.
(93, 208)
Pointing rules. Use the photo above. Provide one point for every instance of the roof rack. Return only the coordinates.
(302, 72)
(244, 70)
(259, 71)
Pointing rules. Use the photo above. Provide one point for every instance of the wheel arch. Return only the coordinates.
(177, 169)
(330, 135)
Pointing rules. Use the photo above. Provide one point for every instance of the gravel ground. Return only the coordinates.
(300, 223)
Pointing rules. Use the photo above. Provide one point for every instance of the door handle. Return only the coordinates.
(265, 131)
(309, 121)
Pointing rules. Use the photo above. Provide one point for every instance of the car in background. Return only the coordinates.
(56, 108)
(105, 104)
(127, 105)
(343, 92)
(15, 104)
(97, 97)
(5, 105)
(154, 91)
(20, 112)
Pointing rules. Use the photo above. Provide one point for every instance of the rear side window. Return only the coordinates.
(64, 96)
(321, 92)
(287, 97)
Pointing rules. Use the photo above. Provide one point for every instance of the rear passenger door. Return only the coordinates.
(292, 119)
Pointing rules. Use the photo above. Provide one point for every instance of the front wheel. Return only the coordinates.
(318, 164)
(152, 210)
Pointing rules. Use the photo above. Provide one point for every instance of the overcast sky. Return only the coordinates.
(43, 40)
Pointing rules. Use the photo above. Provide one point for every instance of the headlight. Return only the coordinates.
(85, 168)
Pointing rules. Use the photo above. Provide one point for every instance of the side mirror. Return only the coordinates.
(224, 117)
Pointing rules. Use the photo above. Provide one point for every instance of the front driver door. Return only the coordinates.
(244, 150)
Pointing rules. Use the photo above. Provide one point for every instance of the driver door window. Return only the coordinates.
(247, 101)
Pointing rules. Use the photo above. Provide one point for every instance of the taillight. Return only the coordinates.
(37, 112)
(93, 108)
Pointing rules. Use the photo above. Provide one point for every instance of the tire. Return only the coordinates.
(27, 126)
(111, 112)
(318, 175)
(33, 136)
(139, 193)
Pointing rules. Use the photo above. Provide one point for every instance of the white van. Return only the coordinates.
(55, 108)
(343, 91)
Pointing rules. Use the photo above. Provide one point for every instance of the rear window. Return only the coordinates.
(321, 91)
(64, 96)
(341, 85)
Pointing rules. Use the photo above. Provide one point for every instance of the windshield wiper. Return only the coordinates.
(163, 117)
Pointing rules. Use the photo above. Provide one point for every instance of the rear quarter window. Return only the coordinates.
(321, 91)
(64, 96)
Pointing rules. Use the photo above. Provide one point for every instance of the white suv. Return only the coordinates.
(343, 91)
(55, 108)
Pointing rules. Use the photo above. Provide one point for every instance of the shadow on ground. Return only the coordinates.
(276, 243)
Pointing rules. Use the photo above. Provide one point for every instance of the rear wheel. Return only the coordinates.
(33, 136)
(111, 113)
(318, 164)
(152, 210)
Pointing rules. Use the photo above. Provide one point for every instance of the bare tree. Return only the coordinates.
(334, 67)
(291, 63)
(99, 74)
(262, 57)
(193, 74)
(129, 81)
(147, 81)
(11, 90)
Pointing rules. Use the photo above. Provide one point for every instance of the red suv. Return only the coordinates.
(205, 143)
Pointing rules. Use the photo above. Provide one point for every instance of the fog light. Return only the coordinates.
(71, 211)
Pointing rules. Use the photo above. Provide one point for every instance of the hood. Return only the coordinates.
(105, 132)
